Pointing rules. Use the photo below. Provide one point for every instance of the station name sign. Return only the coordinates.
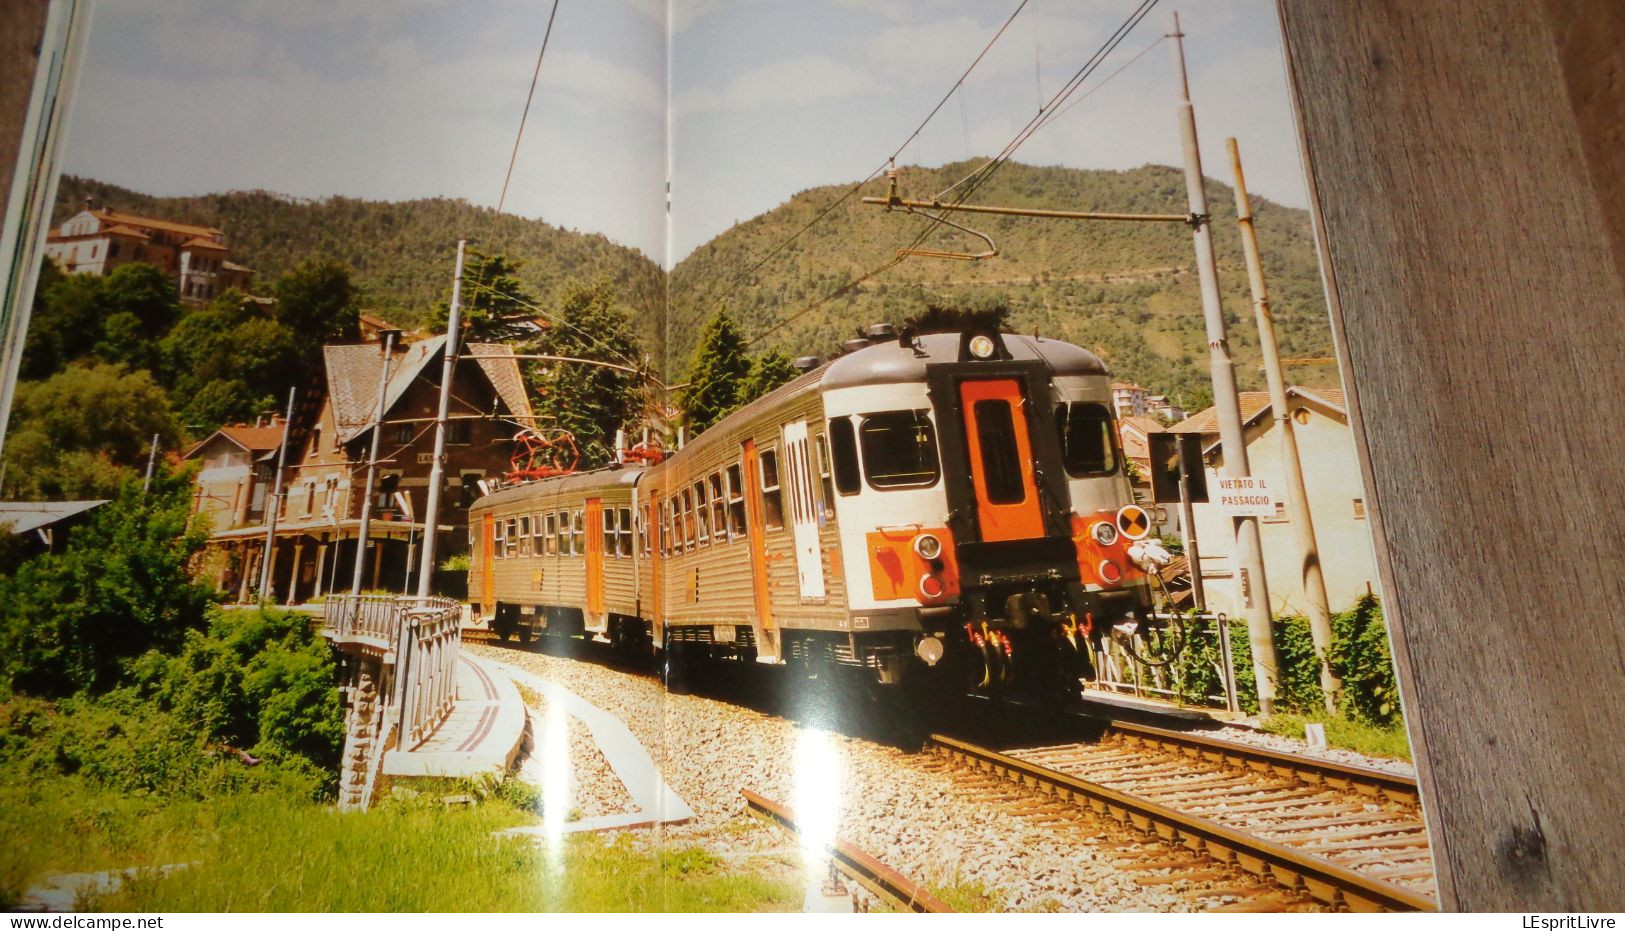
(1245, 497)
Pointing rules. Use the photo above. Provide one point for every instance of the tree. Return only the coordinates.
(716, 375)
(66, 308)
(84, 431)
(316, 303)
(119, 318)
(767, 371)
(229, 360)
(121, 586)
(939, 318)
(495, 306)
(589, 401)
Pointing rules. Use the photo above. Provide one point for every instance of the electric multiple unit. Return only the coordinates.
(942, 507)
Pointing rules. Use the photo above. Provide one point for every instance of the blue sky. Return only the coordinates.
(415, 98)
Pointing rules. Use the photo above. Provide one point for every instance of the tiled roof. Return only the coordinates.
(230, 266)
(504, 376)
(200, 242)
(253, 439)
(353, 372)
(185, 229)
(1145, 424)
(123, 230)
(1254, 404)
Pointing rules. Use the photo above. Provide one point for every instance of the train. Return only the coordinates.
(925, 511)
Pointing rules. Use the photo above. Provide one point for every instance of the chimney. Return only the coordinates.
(89, 202)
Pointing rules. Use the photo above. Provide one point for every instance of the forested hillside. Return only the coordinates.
(402, 254)
(1126, 290)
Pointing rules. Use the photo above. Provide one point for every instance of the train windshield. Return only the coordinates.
(899, 449)
(1086, 439)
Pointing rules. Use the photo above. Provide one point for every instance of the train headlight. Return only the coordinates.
(928, 546)
(930, 650)
(1105, 534)
(981, 346)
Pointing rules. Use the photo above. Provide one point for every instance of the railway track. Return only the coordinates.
(891, 886)
(1345, 836)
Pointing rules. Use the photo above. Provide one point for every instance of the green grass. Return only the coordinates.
(1369, 739)
(971, 895)
(273, 852)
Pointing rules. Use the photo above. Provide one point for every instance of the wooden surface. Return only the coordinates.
(21, 24)
(1466, 176)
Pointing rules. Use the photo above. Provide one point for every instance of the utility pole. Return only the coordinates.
(365, 531)
(1297, 495)
(152, 460)
(273, 504)
(431, 511)
(1252, 592)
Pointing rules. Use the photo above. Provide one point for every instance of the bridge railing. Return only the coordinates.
(412, 644)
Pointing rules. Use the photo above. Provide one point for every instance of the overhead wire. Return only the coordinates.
(535, 76)
(976, 179)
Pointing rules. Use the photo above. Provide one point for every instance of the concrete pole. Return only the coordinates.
(372, 462)
(1187, 528)
(272, 504)
(1252, 593)
(1297, 495)
(152, 461)
(431, 511)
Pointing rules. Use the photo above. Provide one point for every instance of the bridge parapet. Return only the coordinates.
(398, 678)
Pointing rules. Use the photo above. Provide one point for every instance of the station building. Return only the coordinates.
(1331, 474)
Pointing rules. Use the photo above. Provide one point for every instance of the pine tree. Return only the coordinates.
(767, 371)
(496, 306)
(716, 375)
(589, 401)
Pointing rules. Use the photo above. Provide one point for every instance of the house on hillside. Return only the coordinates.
(1129, 400)
(324, 479)
(96, 241)
(1336, 501)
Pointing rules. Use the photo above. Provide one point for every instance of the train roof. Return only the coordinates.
(891, 362)
(607, 477)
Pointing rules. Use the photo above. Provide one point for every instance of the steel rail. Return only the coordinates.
(863, 869)
(1344, 776)
(1322, 879)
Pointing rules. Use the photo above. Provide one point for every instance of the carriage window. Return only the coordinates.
(623, 538)
(643, 530)
(825, 484)
(524, 536)
(548, 539)
(665, 527)
(772, 497)
(539, 545)
(513, 538)
(844, 445)
(499, 545)
(702, 512)
(577, 538)
(563, 536)
(736, 502)
(899, 449)
(609, 532)
(719, 508)
(1001, 459)
(688, 518)
(1086, 439)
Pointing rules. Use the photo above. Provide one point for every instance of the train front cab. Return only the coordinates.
(974, 472)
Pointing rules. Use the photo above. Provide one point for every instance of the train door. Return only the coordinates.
(1000, 451)
(655, 527)
(594, 523)
(803, 515)
(767, 639)
(488, 598)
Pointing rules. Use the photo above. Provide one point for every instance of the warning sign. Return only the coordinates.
(1244, 497)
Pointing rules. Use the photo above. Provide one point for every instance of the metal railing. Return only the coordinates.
(421, 639)
(1119, 670)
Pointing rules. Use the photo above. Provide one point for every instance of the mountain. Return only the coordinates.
(403, 253)
(1126, 290)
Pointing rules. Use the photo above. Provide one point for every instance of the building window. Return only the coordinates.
(772, 497)
(1359, 509)
(457, 432)
(404, 433)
